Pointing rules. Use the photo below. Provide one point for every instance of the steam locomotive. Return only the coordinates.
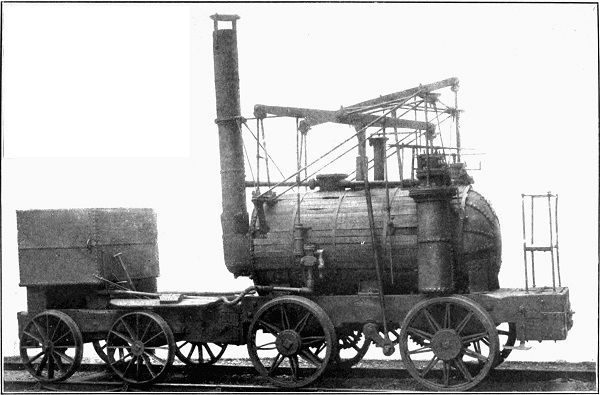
(339, 263)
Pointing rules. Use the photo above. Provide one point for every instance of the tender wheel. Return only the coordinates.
(352, 347)
(291, 341)
(447, 329)
(199, 354)
(51, 346)
(140, 347)
(507, 332)
(100, 348)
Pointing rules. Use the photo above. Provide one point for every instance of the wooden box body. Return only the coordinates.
(73, 246)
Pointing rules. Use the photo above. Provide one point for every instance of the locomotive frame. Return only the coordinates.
(295, 329)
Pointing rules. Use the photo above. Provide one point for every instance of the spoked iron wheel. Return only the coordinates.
(507, 332)
(100, 348)
(445, 356)
(352, 347)
(140, 347)
(199, 354)
(291, 341)
(51, 346)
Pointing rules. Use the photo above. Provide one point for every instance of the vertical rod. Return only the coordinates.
(556, 223)
(257, 155)
(532, 251)
(375, 246)
(400, 169)
(264, 147)
(388, 209)
(298, 170)
(426, 141)
(412, 164)
(457, 123)
(524, 241)
(551, 240)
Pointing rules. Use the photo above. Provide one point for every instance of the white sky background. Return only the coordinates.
(112, 105)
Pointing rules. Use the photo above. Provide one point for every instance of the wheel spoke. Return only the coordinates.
(446, 373)
(128, 328)
(264, 346)
(31, 360)
(122, 336)
(310, 357)
(307, 341)
(429, 366)
(447, 320)
(37, 339)
(153, 337)
(148, 365)
(464, 322)
(420, 333)
(475, 354)
(123, 358)
(294, 366)
(432, 322)
(285, 321)
(60, 338)
(473, 338)
(65, 356)
(209, 351)
(485, 341)
(276, 362)
(191, 350)
(302, 323)
(269, 327)
(154, 357)
(50, 366)
(40, 331)
(58, 362)
(40, 368)
(146, 331)
(421, 350)
(460, 365)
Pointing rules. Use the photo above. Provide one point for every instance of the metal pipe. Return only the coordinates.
(234, 219)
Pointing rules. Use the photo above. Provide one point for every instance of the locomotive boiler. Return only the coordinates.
(340, 262)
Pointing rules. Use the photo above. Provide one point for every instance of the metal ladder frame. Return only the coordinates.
(532, 248)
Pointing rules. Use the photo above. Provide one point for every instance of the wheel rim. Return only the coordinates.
(100, 348)
(448, 343)
(507, 333)
(352, 347)
(198, 353)
(291, 341)
(140, 347)
(51, 346)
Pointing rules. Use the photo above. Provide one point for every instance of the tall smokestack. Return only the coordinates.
(234, 219)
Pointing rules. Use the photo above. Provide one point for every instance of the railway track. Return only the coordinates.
(239, 376)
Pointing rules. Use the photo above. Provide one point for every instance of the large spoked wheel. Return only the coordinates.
(199, 354)
(139, 347)
(352, 347)
(291, 341)
(437, 343)
(51, 346)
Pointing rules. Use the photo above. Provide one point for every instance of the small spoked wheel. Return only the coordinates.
(448, 343)
(291, 341)
(198, 353)
(139, 347)
(352, 347)
(51, 346)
